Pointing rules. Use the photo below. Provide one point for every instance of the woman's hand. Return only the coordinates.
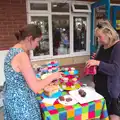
(90, 63)
(55, 75)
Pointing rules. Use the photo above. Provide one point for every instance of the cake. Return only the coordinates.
(68, 78)
(70, 71)
(82, 93)
(45, 75)
(53, 66)
(68, 99)
(46, 69)
(62, 98)
(51, 89)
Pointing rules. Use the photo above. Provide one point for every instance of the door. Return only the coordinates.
(100, 10)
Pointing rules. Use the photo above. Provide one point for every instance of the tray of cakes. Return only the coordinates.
(69, 81)
(47, 69)
(69, 71)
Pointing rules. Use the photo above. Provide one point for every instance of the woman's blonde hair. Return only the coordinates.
(107, 29)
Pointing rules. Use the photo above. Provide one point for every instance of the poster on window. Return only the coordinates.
(100, 13)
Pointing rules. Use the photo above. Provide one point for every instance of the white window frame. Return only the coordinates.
(61, 1)
(50, 38)
(49, 14)
(82, 52)
(37, 11)
(81, 10)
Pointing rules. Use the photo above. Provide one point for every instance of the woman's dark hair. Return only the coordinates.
(28, 30)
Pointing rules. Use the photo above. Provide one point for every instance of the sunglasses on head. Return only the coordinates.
(99, 26)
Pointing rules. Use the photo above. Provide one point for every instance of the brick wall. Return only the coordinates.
(12, 17)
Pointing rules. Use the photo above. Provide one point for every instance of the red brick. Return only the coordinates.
(12, 17)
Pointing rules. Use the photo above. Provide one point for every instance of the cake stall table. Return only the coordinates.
(88, 111)
(68, 82)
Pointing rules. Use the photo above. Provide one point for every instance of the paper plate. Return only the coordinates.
(68, 103)
(76, 86)
(90, 92)
(56, 95)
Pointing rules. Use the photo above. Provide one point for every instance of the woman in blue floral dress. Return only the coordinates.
(21, 83)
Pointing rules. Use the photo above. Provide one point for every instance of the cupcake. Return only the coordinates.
(72, 86)
(55, 69)
(82, 93)
(63, 86)
(65, 79)
(50, 70)
(72, 68)
(52, 62)
(66, 69)
(61, 98)
(74, 79)
(68, 99)
(71, 72)
(49, 66)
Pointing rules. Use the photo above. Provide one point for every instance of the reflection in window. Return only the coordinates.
(60, 27)
(79, 33)
(43, 48)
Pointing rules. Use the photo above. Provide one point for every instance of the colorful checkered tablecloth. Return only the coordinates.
(90, 111)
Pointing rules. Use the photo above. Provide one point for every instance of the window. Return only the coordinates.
(80, 32)
(56, 7)
(38, 6)
(43, 48)
(65, 32)
(60, 27)
(80, 8)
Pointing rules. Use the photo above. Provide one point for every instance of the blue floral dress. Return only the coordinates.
(19, 100)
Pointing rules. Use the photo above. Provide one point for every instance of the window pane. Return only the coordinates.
(43, 48)
(79, 33)
(38, 6)
(60, 7)
(85, 7)
(61, 41)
